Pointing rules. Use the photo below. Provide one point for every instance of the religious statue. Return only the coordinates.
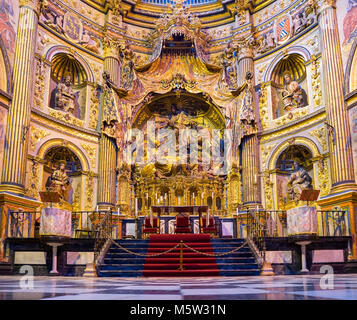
(247, 111)
(300, 23)
(89, 42)
(229, 69)
(267, 42)
(293, 94)
(127, 68)
(51, 19)
(299, 180)
(66, 99)
(59, 181)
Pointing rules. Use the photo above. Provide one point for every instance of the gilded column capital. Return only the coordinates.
(34, 4)
(112, 46)
(319, 5)
(245, 47)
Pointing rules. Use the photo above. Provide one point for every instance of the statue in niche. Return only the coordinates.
(59, 181)
(299, 23)
(89, 42)
(247, 111)
(299, 180)
(293, 94)
(66, 98)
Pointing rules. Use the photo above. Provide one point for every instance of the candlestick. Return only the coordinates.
(136, 207)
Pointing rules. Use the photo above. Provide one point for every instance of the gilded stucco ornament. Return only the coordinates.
(178, 82)
(323, 176)
(33, 184)
(316, 81)
(36, 136)
(263, 106)
(91, 152)
(66, 117)
(90, 178)
(321, 135)
(94, 108)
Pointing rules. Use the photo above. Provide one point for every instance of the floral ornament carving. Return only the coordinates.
(39, 83)
(268, 189)
(94, 108)
(265, 152)
(34, 181)
(263, 106)
(37, 135)
(323, 177)
(77, 198)
(321, 135)
(178, 81)
(66, 117)
(290, 116)
(90, 152)
(89, 191)
(316, 81)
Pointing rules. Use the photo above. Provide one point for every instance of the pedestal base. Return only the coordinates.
(302, 220)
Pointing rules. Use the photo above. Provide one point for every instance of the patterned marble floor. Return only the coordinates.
(310, 287)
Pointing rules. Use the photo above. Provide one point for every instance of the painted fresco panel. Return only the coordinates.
(353, 124)
(9, 15)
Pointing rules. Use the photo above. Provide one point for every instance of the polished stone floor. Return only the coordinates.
(309, 287)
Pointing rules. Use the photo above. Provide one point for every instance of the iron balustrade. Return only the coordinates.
(330, 222)
(22, 224)
(26, 224)
(103, 237)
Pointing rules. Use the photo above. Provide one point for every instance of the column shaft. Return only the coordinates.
(340, 137)
(250, 151)
(15, 149)
(107, 150)
(106, 171)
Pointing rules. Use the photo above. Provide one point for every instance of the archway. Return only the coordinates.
(73, 168)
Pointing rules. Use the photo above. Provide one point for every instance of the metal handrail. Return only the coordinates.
(103, 237)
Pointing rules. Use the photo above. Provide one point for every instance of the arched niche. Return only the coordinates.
(351, 70)
(276, 178)
(77, 166)
(52, 159)
(288, 85)
(285, 167)
(68, 85)
(5, 69)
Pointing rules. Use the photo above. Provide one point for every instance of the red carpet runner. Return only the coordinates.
(167, 265)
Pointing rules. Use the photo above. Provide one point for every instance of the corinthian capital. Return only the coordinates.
(34, 4)
(319, 5)
(112, 46)
(245, 47)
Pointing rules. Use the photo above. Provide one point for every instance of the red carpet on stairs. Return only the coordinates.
(167, 265)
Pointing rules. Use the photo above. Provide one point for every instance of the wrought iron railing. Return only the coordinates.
(330, 222)
(256, 233)
(103, 237)
(86, 222)
(22, 224)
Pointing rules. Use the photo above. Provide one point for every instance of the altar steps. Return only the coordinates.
(118, 263)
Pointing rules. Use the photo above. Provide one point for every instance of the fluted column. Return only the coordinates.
(15, 148)
(250, 151)
(342, 173)
(107, 147)
(106, 171)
